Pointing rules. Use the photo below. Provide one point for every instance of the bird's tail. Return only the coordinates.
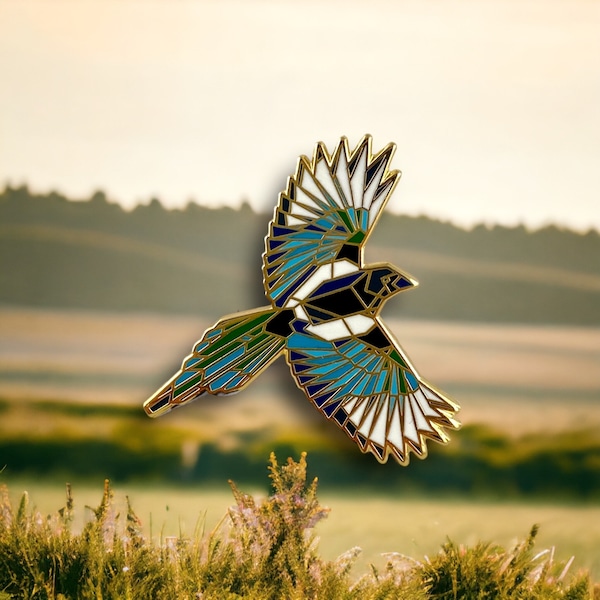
(426, 414)
(227, 358)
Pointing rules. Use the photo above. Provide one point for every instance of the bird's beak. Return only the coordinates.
(404, 282)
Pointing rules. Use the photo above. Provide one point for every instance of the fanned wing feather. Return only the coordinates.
(227, 358)
(373, 394)
(330, 202)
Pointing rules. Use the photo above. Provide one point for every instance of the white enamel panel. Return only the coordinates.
(291, 220)
(365, 428)
(301, 313)
(303, 198)
(350, 404)
(302, 211)
(359, 411)
(424, 405)
(378, 202)
(358, 179)
(369, 193)
(343, 177)
(359, 324)
(308, 183)
(410, 431)
(343, 267)
(395, 431)
(378, 431)
(420, 421)
(324, 178)
(332, 330)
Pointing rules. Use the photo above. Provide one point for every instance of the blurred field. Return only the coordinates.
(516, 378)
(414, 527)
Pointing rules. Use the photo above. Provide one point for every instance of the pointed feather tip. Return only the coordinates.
(159, 404)
(165, 400)
(366, 143)
(321, 153)
(417, 447)
(363, 148)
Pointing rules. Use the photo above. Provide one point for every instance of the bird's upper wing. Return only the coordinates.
(329, 208)
(368, 387)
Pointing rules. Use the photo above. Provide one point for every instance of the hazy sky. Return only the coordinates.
(494, 104)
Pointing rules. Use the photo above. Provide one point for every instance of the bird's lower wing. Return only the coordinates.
(367, 386)
(227, 358)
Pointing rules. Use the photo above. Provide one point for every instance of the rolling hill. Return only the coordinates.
(55, 252)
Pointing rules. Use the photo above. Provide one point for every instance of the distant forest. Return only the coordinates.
(55, 252)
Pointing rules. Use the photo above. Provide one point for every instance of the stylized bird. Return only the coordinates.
(324, 314)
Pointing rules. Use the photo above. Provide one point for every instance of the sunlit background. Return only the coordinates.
(495, 108)
(494, 105)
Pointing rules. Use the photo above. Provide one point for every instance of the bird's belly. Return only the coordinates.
(337, 329)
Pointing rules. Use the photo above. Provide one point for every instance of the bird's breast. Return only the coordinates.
(342, 328)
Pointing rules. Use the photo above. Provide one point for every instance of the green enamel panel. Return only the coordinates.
(357, 238)
(402, 383)
(394, 354)
(259, 339)
(227, 349)
(244, 327)
(191, 382)
(344, 216)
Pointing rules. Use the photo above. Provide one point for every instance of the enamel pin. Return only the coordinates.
(324, 314)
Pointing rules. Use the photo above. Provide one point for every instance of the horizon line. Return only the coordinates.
(244, 203)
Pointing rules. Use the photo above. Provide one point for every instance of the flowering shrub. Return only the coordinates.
(262, 550)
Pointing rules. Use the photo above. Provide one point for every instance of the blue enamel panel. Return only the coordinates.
(411, 380)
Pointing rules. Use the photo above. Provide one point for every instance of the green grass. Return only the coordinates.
(76, 441)
(263, 549)
(411, 525)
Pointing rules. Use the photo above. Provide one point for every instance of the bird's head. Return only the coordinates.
(384, 281)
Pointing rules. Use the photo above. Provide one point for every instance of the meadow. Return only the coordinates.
(264, 549)
(518, 378)
(412, 526)
(81, 376)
